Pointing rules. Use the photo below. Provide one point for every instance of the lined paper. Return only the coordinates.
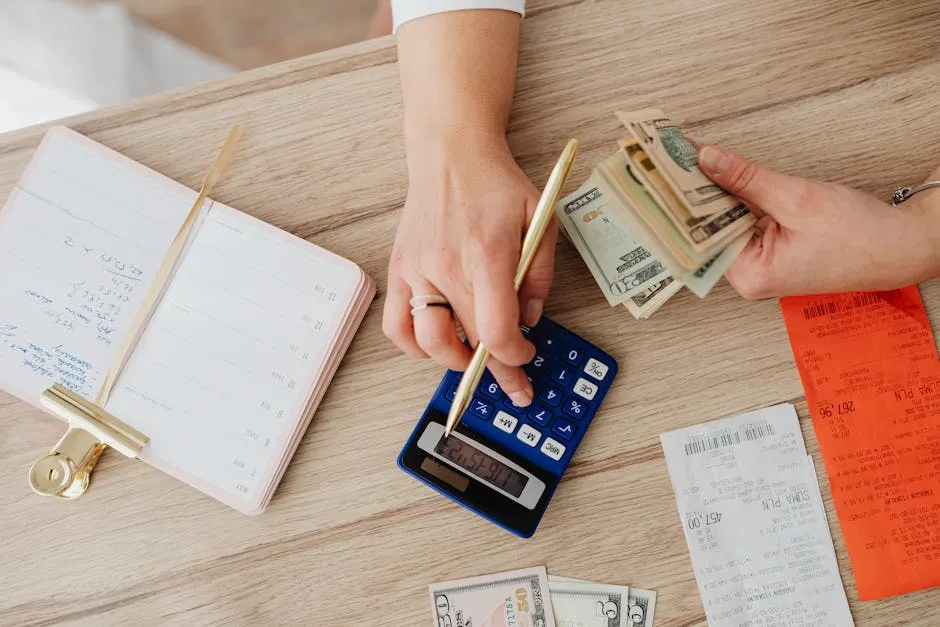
(222, 375)
(80, 239)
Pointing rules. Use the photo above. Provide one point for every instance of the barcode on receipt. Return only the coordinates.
(714, 441)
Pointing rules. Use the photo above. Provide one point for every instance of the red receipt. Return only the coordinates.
(869, 367)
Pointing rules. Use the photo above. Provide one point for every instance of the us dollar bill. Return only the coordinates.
(637, 212)
(620, 265)
(677, 160)
(518, 598)
(644, 304)
(589, 604)
(641, 603)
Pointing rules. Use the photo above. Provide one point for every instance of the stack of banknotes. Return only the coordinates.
(648, 221)
(533, 598)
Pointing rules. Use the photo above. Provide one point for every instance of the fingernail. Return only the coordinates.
(523, 398)
(713, 160)
(533, 311)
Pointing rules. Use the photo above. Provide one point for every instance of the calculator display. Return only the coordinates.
(482, 465)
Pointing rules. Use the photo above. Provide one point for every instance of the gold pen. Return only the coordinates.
(533, 237)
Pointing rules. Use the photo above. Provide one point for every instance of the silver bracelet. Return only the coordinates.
(903, 193)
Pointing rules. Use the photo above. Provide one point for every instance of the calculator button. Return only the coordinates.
(553, 448)
(562, 376)
(537, 365)
(491, 389)
(550, 395)
(585, 389)
(573, 356)
(563, 429)
(540, 415)
(574, 407)
(529, 434)
(505, 422)
(451, 393)
(526, 331)
(550, 345)
(481, 409)
(596, 369)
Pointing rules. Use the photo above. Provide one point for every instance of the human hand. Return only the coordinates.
(815, 237)
(460, 236)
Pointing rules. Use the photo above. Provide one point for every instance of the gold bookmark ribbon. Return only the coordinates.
(66, 470)
(166, 271)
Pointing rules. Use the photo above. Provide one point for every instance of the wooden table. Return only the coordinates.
(848, 95)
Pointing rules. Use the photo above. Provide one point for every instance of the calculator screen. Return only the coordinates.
(482, 465)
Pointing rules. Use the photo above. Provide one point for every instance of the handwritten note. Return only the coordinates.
(868, 363)
(75, 259)
(224, 372)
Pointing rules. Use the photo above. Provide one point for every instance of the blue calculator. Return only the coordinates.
(504, 461)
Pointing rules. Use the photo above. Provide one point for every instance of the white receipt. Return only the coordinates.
(755, 523)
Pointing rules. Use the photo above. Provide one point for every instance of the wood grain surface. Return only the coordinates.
(844, 91)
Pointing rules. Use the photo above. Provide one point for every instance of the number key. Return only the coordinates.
(491, 389)
(539, 414)
(550, 395)
(574, 356)
(562, 376)
(451, 393)
(536, 365)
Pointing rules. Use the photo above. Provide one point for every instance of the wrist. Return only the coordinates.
(926, 205)
(436, 146)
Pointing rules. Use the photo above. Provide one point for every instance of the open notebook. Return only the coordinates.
(240, 349)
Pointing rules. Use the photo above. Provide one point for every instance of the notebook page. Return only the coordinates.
(223, 372)
(81, 237)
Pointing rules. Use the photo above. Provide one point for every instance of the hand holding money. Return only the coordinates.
(818, 237)
(649, 221)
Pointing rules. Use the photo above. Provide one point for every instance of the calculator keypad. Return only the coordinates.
(569, 378)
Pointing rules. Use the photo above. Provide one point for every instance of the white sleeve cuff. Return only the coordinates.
(406, 10)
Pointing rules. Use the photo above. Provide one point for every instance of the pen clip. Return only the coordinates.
(65, 471)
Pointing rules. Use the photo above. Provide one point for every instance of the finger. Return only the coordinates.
(496, 309)
(511, 379)
(752, 274)
(538, 280)
(396, 317)
(436, 331)
(773, 193)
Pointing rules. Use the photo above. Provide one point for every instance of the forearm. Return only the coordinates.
(458, 72)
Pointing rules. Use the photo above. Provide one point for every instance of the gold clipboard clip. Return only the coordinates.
(66, 471)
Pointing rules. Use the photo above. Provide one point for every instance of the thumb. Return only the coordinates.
(769, 191)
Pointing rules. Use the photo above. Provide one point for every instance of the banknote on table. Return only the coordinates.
(589, 604)
(677, 159)
(621, 266)
(518, 598)
(641, 603)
